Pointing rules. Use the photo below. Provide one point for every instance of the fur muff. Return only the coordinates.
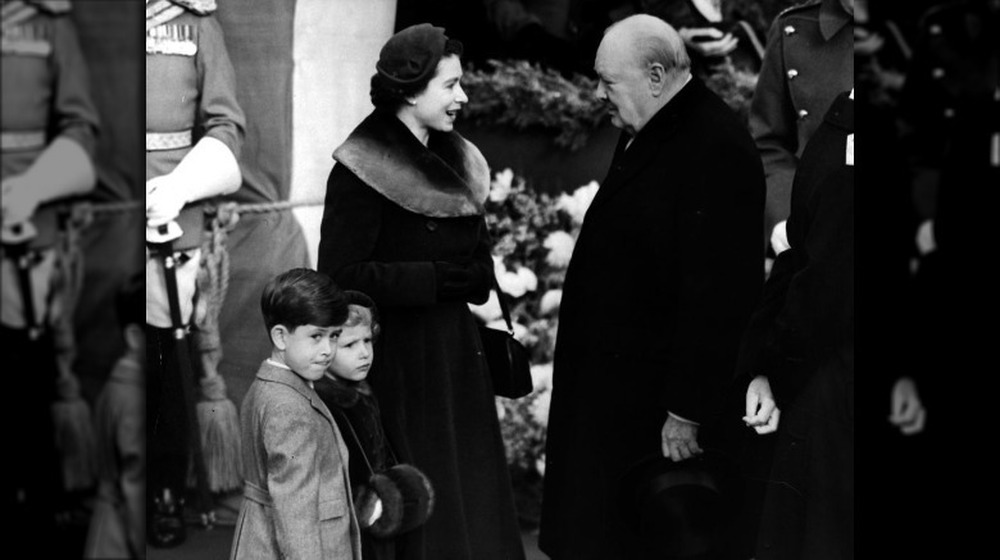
(407, 500)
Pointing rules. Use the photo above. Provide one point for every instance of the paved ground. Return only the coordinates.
(214, 544)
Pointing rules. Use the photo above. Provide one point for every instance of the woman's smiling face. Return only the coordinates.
(437, 106)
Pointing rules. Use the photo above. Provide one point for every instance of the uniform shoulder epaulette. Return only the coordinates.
(52, 6)
(798, 8)
(200, 7)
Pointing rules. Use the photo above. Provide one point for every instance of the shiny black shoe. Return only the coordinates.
(166, 524)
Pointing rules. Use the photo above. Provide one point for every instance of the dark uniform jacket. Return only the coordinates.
(397, 214)
(663, 278)
(809, 59)
(952, 97)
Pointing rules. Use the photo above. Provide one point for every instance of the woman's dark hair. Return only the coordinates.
(302, 296)
(389, 96)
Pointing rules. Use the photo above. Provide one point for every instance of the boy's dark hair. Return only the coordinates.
(130, 301)
(362, 311)
(389, 96)
(302, 296)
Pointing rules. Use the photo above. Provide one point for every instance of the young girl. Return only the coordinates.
(381, 511)
(297, 496)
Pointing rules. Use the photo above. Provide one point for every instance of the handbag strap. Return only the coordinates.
(503, 305)
(354, 435)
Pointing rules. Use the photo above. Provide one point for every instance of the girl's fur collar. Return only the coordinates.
(447, 178)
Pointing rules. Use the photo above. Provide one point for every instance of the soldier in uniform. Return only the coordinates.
(49, 127)
(194, 132)
(809, 59)
(952, 99)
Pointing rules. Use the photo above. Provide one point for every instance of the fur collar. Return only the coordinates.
(341, 393)
(447, 178)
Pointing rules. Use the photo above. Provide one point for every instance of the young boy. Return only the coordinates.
(117, 526)
(343, 388)
(297, 496)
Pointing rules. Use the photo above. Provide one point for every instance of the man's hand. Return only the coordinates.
(19, 199)
(679, 439)
(718, 43)
(762, 412)
(164, 200)
(907, 411)
(925, 237)
(779, 237)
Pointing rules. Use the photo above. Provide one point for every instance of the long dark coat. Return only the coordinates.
(383, 237)
(802, 338)
(662, 281)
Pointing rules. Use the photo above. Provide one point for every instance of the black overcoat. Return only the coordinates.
(662, 281)
(802, 338)
(429, 374)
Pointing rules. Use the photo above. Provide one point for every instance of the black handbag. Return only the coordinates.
(510, 367)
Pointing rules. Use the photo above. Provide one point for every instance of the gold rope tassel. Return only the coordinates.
(218, 417)
(74, 432)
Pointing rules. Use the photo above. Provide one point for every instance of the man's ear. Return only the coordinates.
(278, 335)
(657, 76)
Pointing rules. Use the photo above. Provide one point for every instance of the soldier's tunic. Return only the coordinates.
(45, 96)
(809, 59)
(190, 94)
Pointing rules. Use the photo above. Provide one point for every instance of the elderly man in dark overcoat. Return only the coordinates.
(662, 281)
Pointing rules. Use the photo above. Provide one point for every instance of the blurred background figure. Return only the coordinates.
(118, 522)
(714, 33)
(49, 130)
(951, 99)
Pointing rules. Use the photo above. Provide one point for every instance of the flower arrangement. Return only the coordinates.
(534, 234)
(527, 96)
(735, 87)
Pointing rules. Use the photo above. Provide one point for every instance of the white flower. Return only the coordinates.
(501, 185)
(540, 407)
(576, 204)
(528, 278)
(550, 302)
(560, 245)
(488, 311)
(498, 266)
(541, 376)
(512, 284)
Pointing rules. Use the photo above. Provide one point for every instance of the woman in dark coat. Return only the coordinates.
(799, 349)
(404, 223)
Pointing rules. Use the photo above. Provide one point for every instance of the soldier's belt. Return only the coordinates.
(28, 140)
(157, 141)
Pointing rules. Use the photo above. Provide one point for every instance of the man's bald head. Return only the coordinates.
(641, 64)
(647, 39)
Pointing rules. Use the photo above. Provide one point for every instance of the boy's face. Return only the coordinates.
(308, 349)
(354, 353)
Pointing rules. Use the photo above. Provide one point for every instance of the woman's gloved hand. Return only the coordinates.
(455, 281)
